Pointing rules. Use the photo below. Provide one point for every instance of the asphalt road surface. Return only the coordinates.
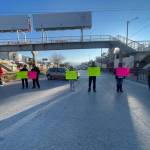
(54, 118)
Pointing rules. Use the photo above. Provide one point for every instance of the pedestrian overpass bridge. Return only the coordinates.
(75, 42)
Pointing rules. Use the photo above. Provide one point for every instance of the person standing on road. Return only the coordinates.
(72, 82)
(149, 78)
(25, 80)
(92, 79)
(36, 81)
(119, 80)
(1, 74)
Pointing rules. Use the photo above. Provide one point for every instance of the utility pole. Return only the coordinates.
(127, 34)
(127, 29)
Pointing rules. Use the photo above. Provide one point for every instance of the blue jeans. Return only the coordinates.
(72, 85)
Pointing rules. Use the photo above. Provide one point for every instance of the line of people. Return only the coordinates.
(119, 80)
(35, 81)
(92, 79)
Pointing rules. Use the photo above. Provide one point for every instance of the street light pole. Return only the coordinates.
(127, 32)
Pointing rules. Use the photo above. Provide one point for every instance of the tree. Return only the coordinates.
(57, 59)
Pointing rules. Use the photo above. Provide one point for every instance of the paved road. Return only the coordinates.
(77, 120)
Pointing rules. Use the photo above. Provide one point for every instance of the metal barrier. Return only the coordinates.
(138, 75)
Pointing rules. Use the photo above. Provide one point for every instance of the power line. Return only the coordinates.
(141, 29)
(88, 9)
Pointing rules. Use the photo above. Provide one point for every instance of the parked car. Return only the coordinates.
(57, 73)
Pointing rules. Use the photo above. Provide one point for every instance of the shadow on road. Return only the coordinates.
(14, 89)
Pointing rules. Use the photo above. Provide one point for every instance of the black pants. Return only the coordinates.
(149, 82)
(24, 81)
(1, 81)
(94, 82)
(36, 82)
(119, 84)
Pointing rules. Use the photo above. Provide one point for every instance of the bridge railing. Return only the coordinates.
(60, 39)
(137, 45)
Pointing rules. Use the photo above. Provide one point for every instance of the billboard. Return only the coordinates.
(14, 23)
(62, 21)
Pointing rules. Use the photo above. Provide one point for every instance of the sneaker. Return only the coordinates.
(1, 85)
(94, 90)
(89, 90)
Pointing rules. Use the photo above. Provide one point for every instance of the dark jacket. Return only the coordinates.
(24, 69)
(149, 74)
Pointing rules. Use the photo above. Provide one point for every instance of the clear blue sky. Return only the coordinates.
(109, 17)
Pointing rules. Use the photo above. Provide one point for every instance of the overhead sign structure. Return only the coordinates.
(71, 75)
(14, 23)
(94, 71)
(62, 21)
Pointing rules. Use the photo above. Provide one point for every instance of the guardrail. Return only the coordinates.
(137, 75)
(138, 46)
